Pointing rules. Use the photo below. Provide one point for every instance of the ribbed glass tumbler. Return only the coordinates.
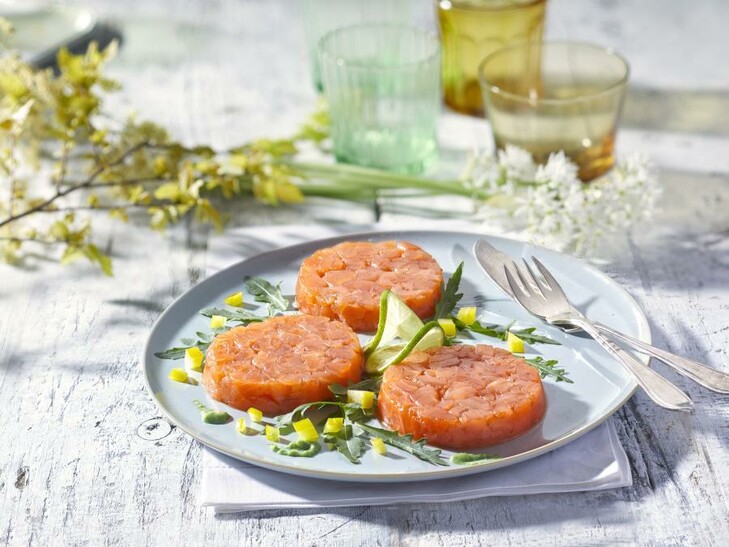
(323, 16)
(382, 83)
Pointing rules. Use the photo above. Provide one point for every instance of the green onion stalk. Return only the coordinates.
(354, 182)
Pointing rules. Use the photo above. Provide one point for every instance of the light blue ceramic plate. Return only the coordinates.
(600, 385)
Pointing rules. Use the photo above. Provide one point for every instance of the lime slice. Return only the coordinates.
(429, 336)
(397, 320)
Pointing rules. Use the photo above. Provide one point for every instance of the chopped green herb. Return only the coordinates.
(210, 416)
(263, 291)
(549, 369)
(450, 297)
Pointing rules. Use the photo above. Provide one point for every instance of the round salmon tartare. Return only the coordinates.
(346, 281)
(281, 363)
(462, 397)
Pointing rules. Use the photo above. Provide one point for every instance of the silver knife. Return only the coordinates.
(493, 261)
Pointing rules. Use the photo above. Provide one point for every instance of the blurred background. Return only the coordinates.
(187, 60)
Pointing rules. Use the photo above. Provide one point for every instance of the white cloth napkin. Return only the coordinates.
(596, 461)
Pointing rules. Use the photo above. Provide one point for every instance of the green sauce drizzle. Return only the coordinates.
(465, 458)
(210, 416)
(298, 449)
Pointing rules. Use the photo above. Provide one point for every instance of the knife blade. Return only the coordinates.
(493, 261)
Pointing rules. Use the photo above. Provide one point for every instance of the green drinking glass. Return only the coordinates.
(323, 16)
(382, 83)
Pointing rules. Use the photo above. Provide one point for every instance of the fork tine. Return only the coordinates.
(549, 278)
(528, 288)
(534, 281)
(518, 292)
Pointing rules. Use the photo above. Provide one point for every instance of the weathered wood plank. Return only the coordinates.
(74, 469)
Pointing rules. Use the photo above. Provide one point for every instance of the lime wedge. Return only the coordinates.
(397, 320)
(429, 336)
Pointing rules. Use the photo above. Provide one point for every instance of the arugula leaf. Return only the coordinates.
(238, 315)
(368, 384)
(406, 443)
(450, 296)
(549, 368)
(203, 341)
(263, 291)
(179, 352)
(530, 338)
(298, 412)
(501, 332)
(347, 442)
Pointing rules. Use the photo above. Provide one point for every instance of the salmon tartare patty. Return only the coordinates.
(462, 397)
(281, 363)
(346, 281)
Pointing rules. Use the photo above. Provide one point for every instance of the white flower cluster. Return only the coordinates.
(553, 205)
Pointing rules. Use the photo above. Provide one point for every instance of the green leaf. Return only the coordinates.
(530, 338)
(263, 291)
(238, 315)
(346, 442)
(285, 421)
(500, 332)
(450, 296)
(549, 369)
(355, 413)
(368, 384)
(93, 253)
(406, 443)
(179, 352)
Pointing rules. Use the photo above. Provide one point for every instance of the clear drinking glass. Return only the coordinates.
(382, 83)
(323, 16)
(473, 29)
(568, 98)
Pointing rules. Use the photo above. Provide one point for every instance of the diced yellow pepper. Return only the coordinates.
(467, 315)
(306, 430)
(193, 359)
(272, 433)
(448, 326)
(255, 414)
(217, 321)
(235, 299)
(240, 426)
(364, 398)
(333, 425)
(514, 343)
(178, 375)
(378, 445)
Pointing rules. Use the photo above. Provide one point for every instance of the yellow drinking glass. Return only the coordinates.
(473, 29)
(567, 98)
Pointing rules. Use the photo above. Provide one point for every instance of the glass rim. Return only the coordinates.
(504, 7)
(339, 60)
(609, 52)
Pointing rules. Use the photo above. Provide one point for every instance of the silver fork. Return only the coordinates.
(545, 298)
(492, 261)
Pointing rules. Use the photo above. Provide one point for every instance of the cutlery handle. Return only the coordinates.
(656, 386)
(708, 377)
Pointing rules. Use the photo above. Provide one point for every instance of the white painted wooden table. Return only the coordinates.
(75, 463)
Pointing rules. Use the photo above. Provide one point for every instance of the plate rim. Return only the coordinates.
(644, 335)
